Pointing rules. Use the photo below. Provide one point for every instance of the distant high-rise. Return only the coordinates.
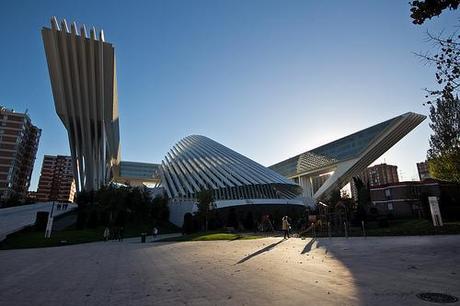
(83, 80)
(381, 174)
(18, 147)
(423, 171)
(57, 182)
(377, 175)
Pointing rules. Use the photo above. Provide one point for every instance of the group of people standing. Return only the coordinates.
(266, 225)
(116, 233)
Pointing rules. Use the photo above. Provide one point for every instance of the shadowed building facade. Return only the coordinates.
(83, 80)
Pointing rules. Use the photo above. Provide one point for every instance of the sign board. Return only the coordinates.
(435, 211)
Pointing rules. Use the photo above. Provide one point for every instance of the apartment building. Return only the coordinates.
(19, 140)
(57, 182)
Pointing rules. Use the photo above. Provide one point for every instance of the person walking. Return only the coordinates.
(120, 234)
(285, 226)
(106, 233)
(154, 233)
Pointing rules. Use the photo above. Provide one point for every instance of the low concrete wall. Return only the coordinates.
(13, 219)
(177, 210)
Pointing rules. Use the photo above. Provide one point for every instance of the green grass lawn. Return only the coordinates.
(398, 227)
(34, 239)
(28, 238)
(212, 236)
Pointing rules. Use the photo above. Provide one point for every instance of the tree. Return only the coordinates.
(205, 205)
(445, 123)
(160, 208)
(446, 60)
(446, 57)
(444, 153)
(446, 167)
(422, 10)
(364, 198)
(115, 205)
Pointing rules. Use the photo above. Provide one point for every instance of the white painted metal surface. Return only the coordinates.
(83, 79)
(346, 157)
(198, 163)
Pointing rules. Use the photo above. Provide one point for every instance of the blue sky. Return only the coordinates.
(269, 79)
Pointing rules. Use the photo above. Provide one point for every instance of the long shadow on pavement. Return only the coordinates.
(308, 246)
(265, 249)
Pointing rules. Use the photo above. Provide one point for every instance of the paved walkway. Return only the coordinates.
(269, 271)
(13, 219)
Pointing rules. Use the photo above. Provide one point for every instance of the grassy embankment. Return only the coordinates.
(29, 238)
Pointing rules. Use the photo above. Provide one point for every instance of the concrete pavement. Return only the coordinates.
(269, 271)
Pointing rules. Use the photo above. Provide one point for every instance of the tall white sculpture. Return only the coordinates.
(83, 79)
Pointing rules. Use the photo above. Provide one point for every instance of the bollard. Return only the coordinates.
(329, 229)
(364, 229)
(346, 229)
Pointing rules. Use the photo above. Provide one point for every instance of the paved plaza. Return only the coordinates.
(269, 271)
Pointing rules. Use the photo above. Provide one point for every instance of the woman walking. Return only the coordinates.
(286, 226)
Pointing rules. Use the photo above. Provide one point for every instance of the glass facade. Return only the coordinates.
(139, 170)
(329, 154)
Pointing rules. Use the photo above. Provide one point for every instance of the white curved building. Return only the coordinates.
(198, 163)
